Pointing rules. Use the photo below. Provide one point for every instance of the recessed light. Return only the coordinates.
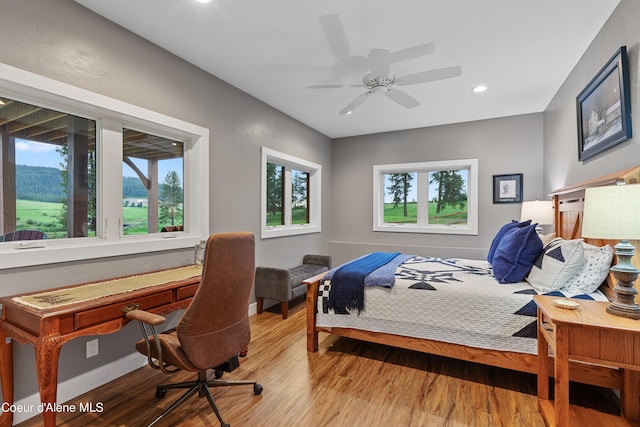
(479, 89)
(203, 1)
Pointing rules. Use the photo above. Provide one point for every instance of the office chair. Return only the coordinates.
(213, 330)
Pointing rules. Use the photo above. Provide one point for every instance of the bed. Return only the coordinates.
(519, 356)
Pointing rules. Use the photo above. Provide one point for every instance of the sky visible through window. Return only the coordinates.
(32, 153)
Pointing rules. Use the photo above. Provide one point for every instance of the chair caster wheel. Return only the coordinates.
(160, 393)
(257, 389)
(218, 374)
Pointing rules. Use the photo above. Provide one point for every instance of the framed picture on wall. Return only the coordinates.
(604, 108)
(507, 188)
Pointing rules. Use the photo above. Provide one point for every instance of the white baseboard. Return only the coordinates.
(81, 384)
(87, 381)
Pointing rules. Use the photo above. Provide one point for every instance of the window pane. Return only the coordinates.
(275, 194)
(400, 199)
(152, 189)
(448, 197)
(299, 197)
(48, 179)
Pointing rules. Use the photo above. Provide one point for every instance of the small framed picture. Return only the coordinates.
(507, 188)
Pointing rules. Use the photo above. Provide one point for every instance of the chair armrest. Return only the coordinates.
(148, 322)
(145, 317)
(270, 274)
(272, 283)
(324, 260)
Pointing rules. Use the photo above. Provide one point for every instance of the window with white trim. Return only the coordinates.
(427, 197)
(99, 143)
(290, 195)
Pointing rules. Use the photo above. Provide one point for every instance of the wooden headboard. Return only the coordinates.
(568, 203)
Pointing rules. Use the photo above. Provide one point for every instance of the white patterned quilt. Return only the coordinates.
(450, 300)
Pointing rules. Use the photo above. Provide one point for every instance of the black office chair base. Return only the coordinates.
(200, 385)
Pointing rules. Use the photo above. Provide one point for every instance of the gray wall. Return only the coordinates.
(502, 146)
(62, 40)
(561, 165)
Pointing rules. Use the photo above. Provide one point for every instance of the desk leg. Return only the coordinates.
(6, 376)
(47, 354)
(561, 373)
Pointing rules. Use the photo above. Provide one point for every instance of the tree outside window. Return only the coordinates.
(291, 195)
(429, 197)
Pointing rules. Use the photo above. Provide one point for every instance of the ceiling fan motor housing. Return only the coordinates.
(377, 84)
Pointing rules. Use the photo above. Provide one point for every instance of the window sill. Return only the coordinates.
(433, 229)
(270, 232)
(88, 248)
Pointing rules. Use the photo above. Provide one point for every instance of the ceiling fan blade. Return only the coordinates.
(429, 76)
(402, 98)
(334, 85)
(336, 36)
(412, 52)
(355, 103)
(379, 59)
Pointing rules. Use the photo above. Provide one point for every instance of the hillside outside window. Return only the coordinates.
(48, 171)
(74, 165)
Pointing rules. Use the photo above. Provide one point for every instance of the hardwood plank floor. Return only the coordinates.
(346, 383)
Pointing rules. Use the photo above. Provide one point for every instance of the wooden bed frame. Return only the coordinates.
(568, 204)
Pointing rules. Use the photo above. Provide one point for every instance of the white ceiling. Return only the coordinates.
(521, 49)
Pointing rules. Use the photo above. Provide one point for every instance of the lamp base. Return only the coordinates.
(625, 274)
(628, 311)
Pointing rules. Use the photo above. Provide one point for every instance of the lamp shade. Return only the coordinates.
(612, 212)
(538, 211)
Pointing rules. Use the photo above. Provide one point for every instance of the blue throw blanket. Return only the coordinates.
(347, 282)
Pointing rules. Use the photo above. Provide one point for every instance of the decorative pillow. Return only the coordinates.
(503, 230)
(516, 253)
(557, 263)
(546, 238)
(593, 273)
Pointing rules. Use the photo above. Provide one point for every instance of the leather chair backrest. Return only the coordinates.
(215, 326)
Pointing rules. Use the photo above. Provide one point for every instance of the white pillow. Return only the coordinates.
(547, 238)
(559, 261)
(594, 271)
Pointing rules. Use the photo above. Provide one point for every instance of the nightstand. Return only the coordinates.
(587, 334)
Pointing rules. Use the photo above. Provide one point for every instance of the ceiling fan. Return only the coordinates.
(379, 81)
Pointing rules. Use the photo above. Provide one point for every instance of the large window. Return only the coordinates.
(152, 176)
(429, 197)
(80, 170)
(290, 195)
(48, 172)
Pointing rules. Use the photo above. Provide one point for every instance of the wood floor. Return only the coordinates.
(346, 383)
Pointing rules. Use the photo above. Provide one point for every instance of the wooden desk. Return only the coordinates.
(591, 335)
(49, 328)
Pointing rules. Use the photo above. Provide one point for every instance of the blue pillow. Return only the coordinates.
(516, 253)
(496, 240)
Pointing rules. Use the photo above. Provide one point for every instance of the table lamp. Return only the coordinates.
(613, 212)
(538, 211)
